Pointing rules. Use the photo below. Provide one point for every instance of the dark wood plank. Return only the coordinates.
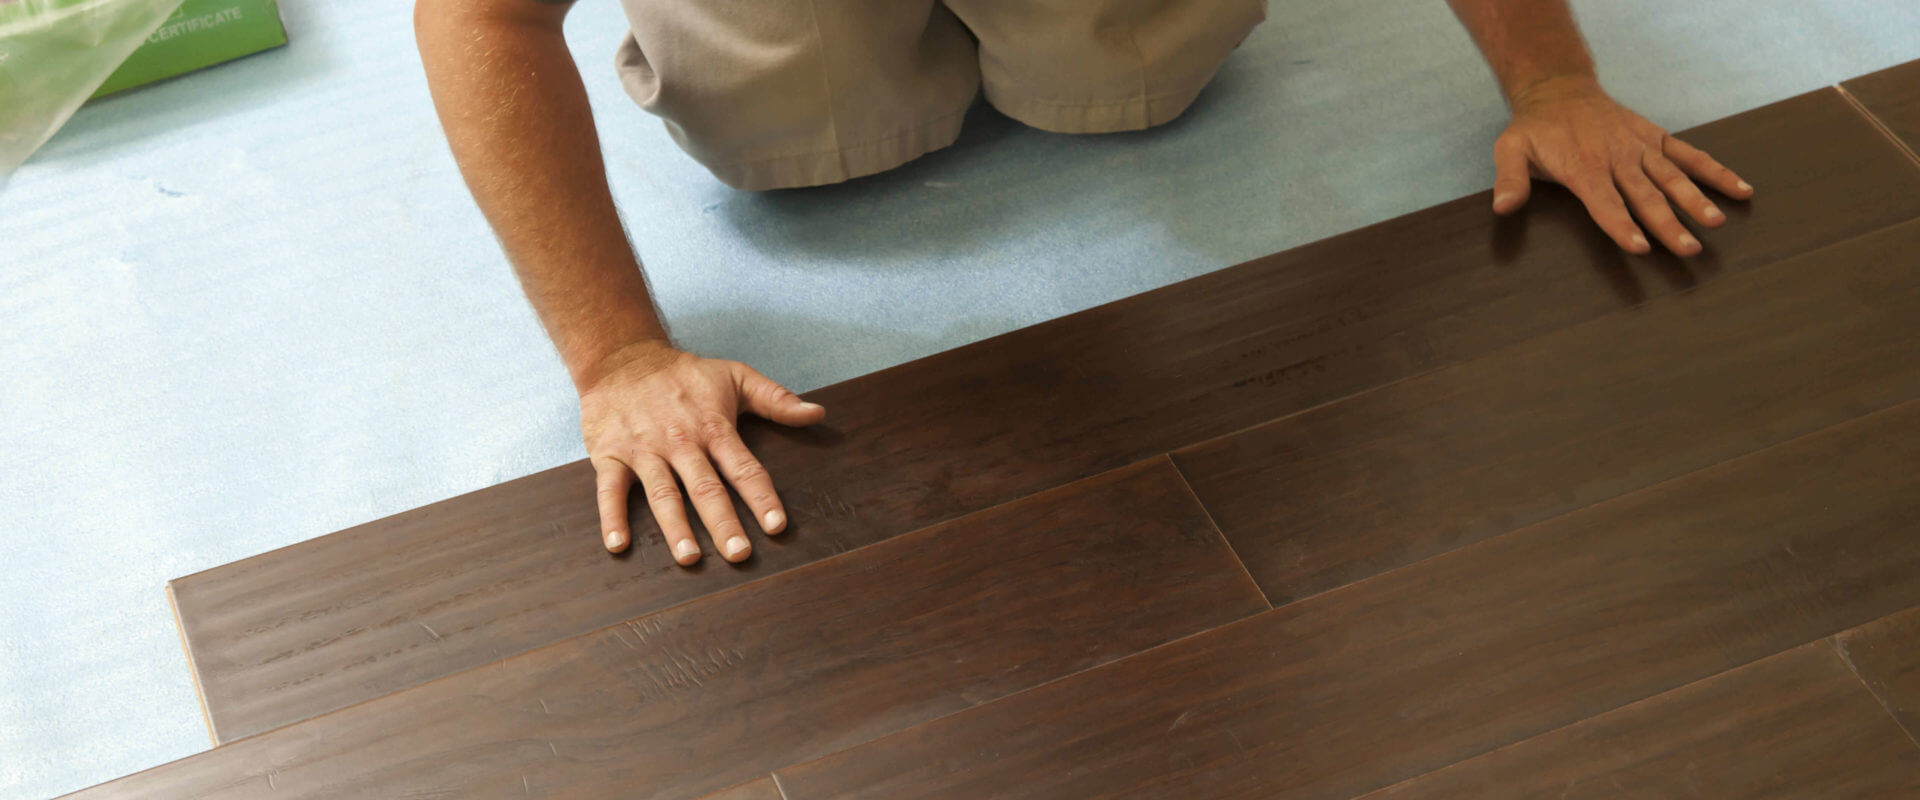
(1394, 677)
(1886, 654)
(727, 687)
(1349, 490)
(1790, 727)
(1892, 96)
(343, 618)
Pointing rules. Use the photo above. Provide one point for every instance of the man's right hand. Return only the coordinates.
(517, 120)
(655, 412)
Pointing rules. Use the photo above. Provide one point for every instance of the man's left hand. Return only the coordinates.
(1569, 131)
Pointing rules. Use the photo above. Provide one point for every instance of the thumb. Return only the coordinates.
(762, 396)
(1511, 183)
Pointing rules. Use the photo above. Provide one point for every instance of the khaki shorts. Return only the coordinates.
(780, 93)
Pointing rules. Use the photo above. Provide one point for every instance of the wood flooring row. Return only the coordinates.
(1446, 507)
(1459, 655)
(732, 685)
(365, 612)
(1338, 493)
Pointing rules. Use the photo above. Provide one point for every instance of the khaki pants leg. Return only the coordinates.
(771, 94)
(1098, 66)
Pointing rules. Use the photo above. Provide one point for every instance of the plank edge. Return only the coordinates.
(1840, 650)
(1874, 120)
(193, 670)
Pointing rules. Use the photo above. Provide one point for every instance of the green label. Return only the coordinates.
(200, 34)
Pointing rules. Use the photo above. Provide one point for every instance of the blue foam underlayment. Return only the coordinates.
(254, 305)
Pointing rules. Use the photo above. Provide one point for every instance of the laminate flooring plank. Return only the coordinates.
(725, 688)
(1789, 727)
(1886, 654)
(1892, 96)
(343, 618)
(1417, 468)
(1380, 681)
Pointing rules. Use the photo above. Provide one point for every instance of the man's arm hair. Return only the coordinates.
(516, 117)
(1526, 42)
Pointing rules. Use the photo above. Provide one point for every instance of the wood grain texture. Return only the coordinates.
(723, 689)
(346, 617)
(1886, 655)
(1349, 490)
(762, 789)
(1391, 678)
(1892, 96)
(1789, 727)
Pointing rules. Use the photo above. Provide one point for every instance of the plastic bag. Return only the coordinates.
(54, 53)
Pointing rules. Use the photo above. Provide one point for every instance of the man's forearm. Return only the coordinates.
(1528, 43)
(516, 115)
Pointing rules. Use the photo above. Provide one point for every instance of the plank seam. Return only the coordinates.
(1877, 123)
(1886, 704)
(1757, 268)
(1217, 531)
(1455, 552)
(1596, 715)
(1056, 679)
(1034, 688)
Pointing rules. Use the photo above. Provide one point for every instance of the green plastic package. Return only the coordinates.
(54, 54)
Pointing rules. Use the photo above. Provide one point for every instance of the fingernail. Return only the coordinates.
(736, 546)
(1502, 198)
(686, 549)
(810, 406)
(1713, 214)
(1744, 186)
(614, 539)
(1639, 242)
(1688, 242)
(775, 519)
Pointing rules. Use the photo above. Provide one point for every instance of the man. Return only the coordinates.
(780, 93)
